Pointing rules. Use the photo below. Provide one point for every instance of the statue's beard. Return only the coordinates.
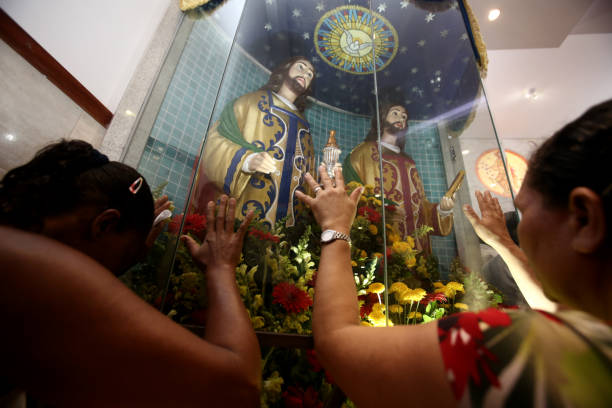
(295, 86)
(390, 128)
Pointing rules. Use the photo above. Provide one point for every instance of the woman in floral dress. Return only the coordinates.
(492, 357)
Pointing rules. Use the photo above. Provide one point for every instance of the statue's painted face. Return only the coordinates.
(300, 76)
(396, 119)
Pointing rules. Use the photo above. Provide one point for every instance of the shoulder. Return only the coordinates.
(364, 148)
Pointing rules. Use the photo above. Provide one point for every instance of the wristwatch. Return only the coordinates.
(329, 235)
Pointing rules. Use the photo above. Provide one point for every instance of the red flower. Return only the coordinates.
(369, 300)
(292, 298)
(372, 215)
(298, 398)
(390, 207)
(264, 236)
(311, 356)
(430, 297)
(194, 223)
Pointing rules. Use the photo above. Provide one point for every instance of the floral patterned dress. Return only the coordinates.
(523, 358)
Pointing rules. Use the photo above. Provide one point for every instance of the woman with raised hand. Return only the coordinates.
(73, 334)
(492, 357)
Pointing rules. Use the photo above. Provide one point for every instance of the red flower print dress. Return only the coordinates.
(524, 358)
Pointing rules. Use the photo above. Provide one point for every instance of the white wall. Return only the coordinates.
(99, 42)
(568, 79)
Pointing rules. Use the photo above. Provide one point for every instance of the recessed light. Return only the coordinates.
(10, 137)
(464, 152)
(531, 94)
(129, 113)
(494, 14)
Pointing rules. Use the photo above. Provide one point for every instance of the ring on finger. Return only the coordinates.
(317, 189)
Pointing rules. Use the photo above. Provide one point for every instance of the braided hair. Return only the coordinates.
(68, 175)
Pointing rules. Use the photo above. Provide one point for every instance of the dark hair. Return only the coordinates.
(578, 155)
(68, 175)
(280, 73)
(383, 111)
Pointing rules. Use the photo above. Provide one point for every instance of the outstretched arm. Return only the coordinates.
(491, 228)
(396, 362)
(74, 335)
(228, 325)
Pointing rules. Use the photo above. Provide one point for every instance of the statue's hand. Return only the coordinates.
(446, 203)
(262, 163)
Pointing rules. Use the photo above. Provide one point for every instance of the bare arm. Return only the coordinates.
(491, 228)
(74, 335)
(394, 364)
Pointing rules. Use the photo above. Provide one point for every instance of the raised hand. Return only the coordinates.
(491, 225)
(331, 206)
(222, 245)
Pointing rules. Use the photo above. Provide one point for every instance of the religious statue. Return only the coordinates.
(401, 181)
(260, 148)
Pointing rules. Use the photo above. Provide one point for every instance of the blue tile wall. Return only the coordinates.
(200, 89)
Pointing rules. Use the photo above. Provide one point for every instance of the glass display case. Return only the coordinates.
(254, 94)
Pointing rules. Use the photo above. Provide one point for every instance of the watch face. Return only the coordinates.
(327, 235)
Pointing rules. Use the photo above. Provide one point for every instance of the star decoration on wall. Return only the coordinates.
(382, 7)
(315, 59)
(320, 7)
(403, 49)
(414, 70)
(444, 33)
(407, 102)
(421, 43)
(297, 13)
(437, 73)
(456, 82)
(429, 17)
(306, 36)
(464, 36)
(269, 2)
(454, 5)
(404, 3)
(268, 27)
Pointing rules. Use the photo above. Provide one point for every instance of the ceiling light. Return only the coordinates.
(129, 113)
(494, 14)
(531, 94)
(9, 137)
(464, 152)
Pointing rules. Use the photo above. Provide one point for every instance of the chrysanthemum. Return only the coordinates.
(376, 287)
(373, 229)
(396, 309)
(291, 298)
(398, 287)
(416, 315)
(401, 246)
(410, 261)
(438, 284)
(451, 289)
(414, 295)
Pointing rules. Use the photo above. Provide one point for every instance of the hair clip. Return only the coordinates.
(136, 185)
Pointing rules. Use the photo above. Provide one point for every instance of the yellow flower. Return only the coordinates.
(377, 255)
(398, 287)
(393, 238)
(258, 322)
(401, 246)
(352, 185)
(396, 309)
(378, 308)
(273, 383)
(243, 290)
(363, 200)
(412, 315)
(378, 319)
(373, 229)
(414, 295)
(460, 305)
(377, 202)
(257, 302)
(410, 241)
(364, 254)
(451, 289)
(369, 189)
(438, 284)
(353, 263)
(376, 287)
(410, 261)
(367, 324)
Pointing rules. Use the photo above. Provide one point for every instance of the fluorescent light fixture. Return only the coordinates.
(494, 14)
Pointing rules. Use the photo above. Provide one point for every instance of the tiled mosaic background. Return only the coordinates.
(175, 140)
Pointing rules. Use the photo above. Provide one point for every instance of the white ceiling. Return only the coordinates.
(561, 48)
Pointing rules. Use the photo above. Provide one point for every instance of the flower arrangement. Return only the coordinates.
(276, 279)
